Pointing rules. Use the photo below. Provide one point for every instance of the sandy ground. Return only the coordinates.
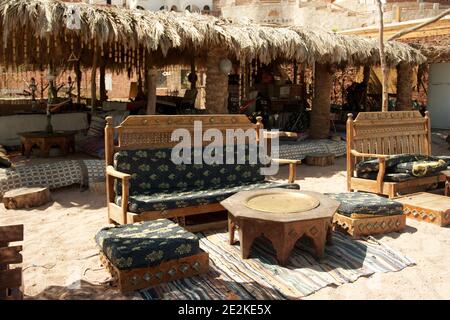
(61, 261)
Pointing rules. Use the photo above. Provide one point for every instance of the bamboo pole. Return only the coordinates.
(384, 67)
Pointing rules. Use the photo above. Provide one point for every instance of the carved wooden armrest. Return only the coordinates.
(125, 177)
(117, 174)
(292, 167)
(381, 167)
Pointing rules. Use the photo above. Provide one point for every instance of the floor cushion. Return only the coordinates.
(172, 199)
(146, 244)
(361, 205)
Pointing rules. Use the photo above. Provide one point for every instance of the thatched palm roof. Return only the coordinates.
(36, 32)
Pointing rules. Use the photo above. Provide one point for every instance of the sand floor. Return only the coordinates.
(61, 261)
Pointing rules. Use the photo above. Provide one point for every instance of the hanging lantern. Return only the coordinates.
(225, 66)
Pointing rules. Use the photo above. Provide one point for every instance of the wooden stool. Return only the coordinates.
(26, 198)
(320, 159)
(159, 251)
(427, 207)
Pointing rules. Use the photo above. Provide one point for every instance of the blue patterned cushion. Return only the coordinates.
(372, 165)
(445, 158)
(146, 244)
(152, 170)
(171, 199)
(421, 168)
(359, 204)
(388, 177)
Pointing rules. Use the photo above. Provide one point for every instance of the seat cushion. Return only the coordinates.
(421, 168)
(172, 199)
(445, 158)
(372, 165)
(359, 204)
(146, 244)
(388, 177)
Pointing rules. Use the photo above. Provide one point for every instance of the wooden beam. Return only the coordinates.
(11, 233)
(419, 26)
(11, 255)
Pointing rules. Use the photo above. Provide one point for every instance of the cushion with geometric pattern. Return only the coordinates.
(145, 244)
(360, 205)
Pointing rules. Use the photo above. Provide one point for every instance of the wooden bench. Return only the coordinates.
(10, 278)
(153, 132)
(380, 134)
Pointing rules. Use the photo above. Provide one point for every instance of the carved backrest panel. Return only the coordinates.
(390, 133)
(155, 131)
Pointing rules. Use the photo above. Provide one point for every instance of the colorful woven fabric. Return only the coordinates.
(146, 244)
(359, 203)
(260, 277)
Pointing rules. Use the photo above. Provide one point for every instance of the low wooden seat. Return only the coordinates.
(381, 134)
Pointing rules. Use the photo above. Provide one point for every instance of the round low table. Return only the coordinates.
(65, 140)
(281, 215)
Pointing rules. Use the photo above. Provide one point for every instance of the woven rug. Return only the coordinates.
(261, 278)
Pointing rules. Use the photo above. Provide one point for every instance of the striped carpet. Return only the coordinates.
(231, 277)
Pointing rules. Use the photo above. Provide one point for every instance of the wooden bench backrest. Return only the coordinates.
(389, 133)
(154, 131)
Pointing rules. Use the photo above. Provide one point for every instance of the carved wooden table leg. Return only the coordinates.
(231, 229)
(283, 244)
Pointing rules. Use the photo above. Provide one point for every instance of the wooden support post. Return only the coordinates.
(366, 78)
(151, 95)
(193, 74)
(295, 67)
(398, 13)
(103, 96)
(383, 64)
(216, 83)
(78, 76)
(320, 113)
(404, 87)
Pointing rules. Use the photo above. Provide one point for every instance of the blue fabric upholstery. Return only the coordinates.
(159, 184)
(401, 167)
(388, 177)
(354, 204)
(146, 244)
(153, 170)
(172, 199)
